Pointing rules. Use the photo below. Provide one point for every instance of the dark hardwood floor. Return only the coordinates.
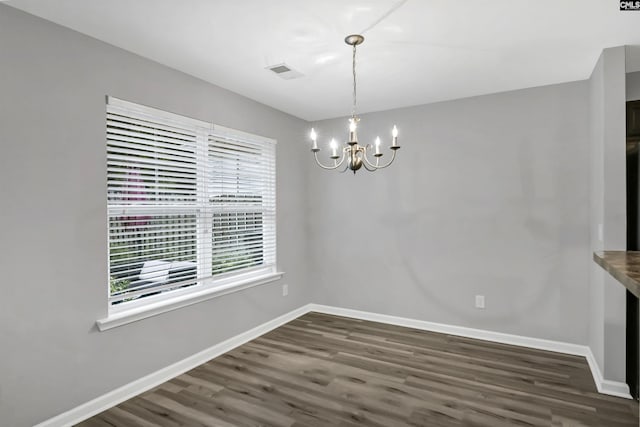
(322, 370)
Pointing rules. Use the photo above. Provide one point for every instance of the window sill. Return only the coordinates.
(124, 317)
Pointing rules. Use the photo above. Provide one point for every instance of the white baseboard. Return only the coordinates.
(154, 379)
(613, 388)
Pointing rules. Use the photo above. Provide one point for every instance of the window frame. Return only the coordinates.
(205, 287)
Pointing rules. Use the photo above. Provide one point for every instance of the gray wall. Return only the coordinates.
(53, 261)
(489, 195)
(608, 209)
(633, 86)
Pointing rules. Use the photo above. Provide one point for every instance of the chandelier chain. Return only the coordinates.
(353, 108)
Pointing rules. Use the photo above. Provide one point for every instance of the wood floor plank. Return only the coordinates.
(119, 417)
(324, 370)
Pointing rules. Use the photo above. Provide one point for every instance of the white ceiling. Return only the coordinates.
(423, 51)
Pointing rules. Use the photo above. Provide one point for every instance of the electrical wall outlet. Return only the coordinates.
(285, 290)
(479, 301)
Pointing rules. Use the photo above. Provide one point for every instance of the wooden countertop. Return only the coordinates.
(624, 266)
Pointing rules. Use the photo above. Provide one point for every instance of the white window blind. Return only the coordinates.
(241, 191)
(188, 205)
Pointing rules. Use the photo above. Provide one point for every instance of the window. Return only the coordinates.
(191, 206)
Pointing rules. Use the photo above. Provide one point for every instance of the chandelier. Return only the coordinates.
(354, 153)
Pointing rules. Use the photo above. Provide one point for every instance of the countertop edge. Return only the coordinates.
(620, 275)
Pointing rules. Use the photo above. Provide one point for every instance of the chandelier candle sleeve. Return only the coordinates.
(314, 139)
(352, 131)
(334, 149)
(378, 153)
(394, 133)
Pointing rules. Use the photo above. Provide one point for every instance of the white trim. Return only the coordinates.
(613, 388)
(154, 379)
(230, 133)
(537, 343)
(155, 114)
(122, 317)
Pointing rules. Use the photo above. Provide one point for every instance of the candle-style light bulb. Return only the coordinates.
(352, 130)
(334, 148)
(314, 138)
(394, 133)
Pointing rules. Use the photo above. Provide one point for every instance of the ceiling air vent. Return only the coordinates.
(284, 71)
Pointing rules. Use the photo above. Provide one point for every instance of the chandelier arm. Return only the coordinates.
(369, 168)
(336, 164)
(365, 162)
(393, 157)
(377, 165)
